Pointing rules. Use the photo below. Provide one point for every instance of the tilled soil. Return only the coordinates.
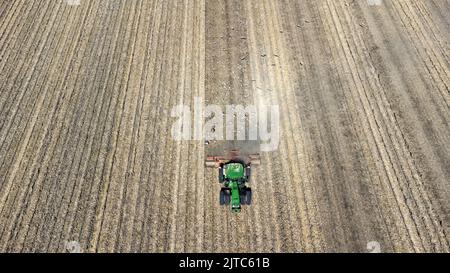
(87, 154)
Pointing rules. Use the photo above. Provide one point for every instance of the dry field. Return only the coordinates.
(86, 152)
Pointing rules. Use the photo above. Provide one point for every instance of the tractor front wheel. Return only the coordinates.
(243, 198)
(225, 197)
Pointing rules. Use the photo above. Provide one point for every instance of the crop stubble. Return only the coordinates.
(86, 152)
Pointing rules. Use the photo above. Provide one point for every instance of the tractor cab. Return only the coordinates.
(234, 171)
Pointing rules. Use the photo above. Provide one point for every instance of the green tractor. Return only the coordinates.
(234, 176)
(234, 160)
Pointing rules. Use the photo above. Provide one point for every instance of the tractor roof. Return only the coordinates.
(234, 171)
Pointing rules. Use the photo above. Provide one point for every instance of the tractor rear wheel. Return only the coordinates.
(222, 197)
(248, 172)
(248, 196)
(221, 176)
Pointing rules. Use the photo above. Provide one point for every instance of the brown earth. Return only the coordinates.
(86, 152)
